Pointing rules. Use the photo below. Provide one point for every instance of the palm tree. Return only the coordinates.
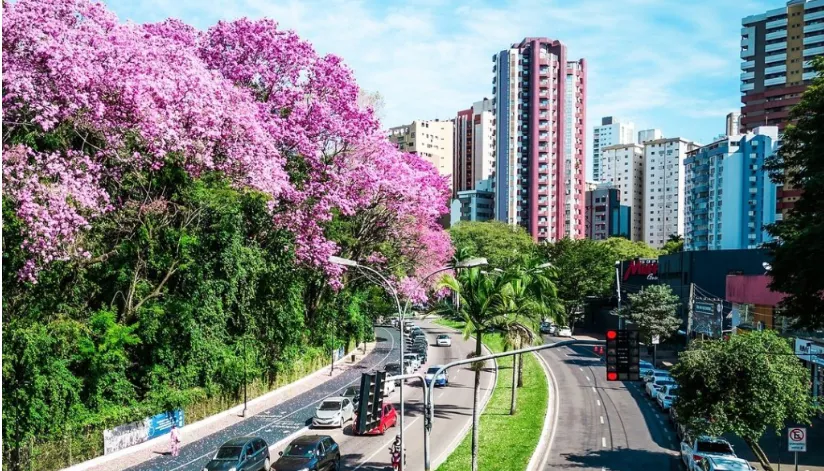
(517, 336)
(481, 301)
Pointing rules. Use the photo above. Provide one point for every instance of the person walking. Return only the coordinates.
(174, 437)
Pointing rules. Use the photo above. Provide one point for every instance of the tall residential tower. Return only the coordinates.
(612, 131)
(540, 103)
(474, 147)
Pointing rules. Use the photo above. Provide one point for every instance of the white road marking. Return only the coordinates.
(594, 390)
(383, 448)
(581, 369)
(588, 378)
(604, 442)
(602, 419)
(597, 401)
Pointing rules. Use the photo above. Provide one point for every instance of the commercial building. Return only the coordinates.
(540, 103)
(474, 158)
(474, 205)
(733, 127)
(432, 140)
(623, 168)
(611, 132)
(664, 189)
(777, 48)
(605, 216)
(730, 198)
(649, 135)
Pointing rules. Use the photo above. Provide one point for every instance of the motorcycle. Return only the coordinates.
(396, 458)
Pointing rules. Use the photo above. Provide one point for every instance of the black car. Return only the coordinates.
(352, 393)
(394, 369)
(241, 454)
(421, 351)
(312, 452)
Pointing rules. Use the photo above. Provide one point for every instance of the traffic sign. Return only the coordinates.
(623, 355)
(656, 339)
(797, 439)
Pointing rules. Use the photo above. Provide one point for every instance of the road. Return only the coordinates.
(453, 411)
(604, 425)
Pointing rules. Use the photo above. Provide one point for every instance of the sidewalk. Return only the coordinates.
(139, 454)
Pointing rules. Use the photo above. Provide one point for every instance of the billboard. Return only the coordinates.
(134, 433)
(708, 317)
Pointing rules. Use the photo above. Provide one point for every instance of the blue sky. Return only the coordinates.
(660, 63)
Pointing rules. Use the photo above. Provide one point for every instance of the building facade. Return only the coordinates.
(474, 205)
(730, 198)
(664, 189)
(432, 140)
(611, 132)
(540, 103)
(733, 127)
(474, 157)
(649, 135)
(623, 168)
(605, 216)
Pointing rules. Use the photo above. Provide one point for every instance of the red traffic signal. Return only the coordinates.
(612, 376)
(612, 334)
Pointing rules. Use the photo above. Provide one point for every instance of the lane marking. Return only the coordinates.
(581, 369)
(594, 390)
(604, 442)
(588, 378)
(598, 401)
(602, 420)
(369, 458)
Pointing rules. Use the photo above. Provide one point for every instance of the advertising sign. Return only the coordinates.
(707, 316)
(643, 268)
(809, 351)
(134, 433)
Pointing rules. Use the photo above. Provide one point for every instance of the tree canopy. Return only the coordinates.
(502, 244)
(653, 310)
(799, 237)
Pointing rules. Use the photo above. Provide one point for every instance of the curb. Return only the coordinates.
(235, 410)
(544, 446)
(459, 437)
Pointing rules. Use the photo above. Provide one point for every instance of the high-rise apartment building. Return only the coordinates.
(605, 216)
(432, 140)
(540, 103)
(664, 189)
(649, 135)
(474, 146)
(733, 127)
(777, 48)
(623, 168)
(611, 132)
(730, 199)
(474, 205)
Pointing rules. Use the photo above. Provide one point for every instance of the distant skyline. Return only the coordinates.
(657, 63)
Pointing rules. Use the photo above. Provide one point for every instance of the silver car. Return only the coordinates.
(333, 412)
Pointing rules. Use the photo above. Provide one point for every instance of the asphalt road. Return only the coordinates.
(605, 425)
(453, 411)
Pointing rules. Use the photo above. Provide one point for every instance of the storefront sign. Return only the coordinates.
(647, 268)
(809, 351)
(134, 433)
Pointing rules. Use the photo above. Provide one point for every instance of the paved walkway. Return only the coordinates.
(210, 429)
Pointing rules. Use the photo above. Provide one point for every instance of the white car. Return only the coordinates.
(443, 340)
(564, 332)
(666, 395)
(333, 412)
(441, 380)
(388, 388)
(723, 463)
(413, 359)
(693, 451)
(652, 374)
(656, 385)
(644, 367)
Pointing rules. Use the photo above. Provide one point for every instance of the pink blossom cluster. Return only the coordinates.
(242, 98)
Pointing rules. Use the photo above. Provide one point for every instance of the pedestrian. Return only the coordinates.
(174, 436)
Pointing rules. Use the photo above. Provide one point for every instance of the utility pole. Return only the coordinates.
(618, 291)
(689, 312)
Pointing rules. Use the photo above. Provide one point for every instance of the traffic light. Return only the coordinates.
(623, 355)
(371, 401)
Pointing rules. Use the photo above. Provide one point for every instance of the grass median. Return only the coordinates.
(506, 441)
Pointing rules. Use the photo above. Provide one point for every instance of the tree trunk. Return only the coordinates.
(513, 401)
(475, 401)
(759, 453)
(520, 370)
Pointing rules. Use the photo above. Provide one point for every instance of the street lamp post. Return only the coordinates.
(618, 291)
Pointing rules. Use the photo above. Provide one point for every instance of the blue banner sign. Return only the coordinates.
(134, 433)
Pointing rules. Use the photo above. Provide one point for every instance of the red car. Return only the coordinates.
(389, 418)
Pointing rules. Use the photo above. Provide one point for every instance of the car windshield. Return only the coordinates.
(300, 449)
(432, 370)
(352, 391)
(393, 367)
(228, 453)
(440, 337)
(714, 447)
(330, 405)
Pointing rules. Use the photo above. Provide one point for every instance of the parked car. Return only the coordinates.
(413, 359)
(653, 387)
(655, 374)
(394, 369)
(723, 463)
(353, 393)
(443, 340)
(693, 450)
(333, 412)
(388, 388)
(441, 380)
(419, 350)
(242, 453)
(564, 332)
(547, 328)
(408, 368)
(644, 367)
(389, 418)
(309, 452)
(666, 396)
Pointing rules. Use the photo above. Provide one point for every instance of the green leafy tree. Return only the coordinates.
(482, 300)
(743, 385)
(500, 243)
(653, 310)
(674, 244)
(624, 249)
(799, 237)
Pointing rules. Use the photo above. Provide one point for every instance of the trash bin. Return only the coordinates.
(352, 357)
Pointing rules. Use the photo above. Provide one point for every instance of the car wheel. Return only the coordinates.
(266, 464)
(383, 429)
(337, 463)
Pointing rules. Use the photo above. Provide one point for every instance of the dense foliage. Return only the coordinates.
(742, 386)
(500, 243)
(800, 235)
(170, 201)
(653, 311)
